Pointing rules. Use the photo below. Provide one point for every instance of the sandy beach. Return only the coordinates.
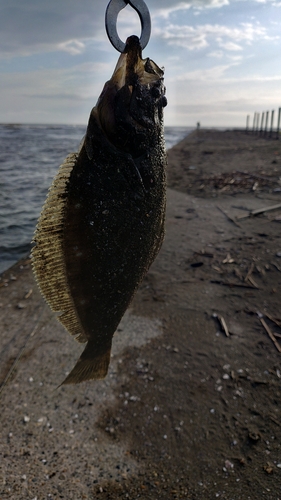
(191, 405)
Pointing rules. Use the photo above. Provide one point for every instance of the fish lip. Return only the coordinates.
(131, 68)
(133, 51)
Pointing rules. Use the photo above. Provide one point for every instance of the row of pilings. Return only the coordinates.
(264, 124)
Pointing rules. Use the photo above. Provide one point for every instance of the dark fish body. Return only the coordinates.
(103, 222)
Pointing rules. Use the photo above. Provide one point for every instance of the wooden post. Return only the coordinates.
(278, 124)
(262, 120)
(257, 124)
(271, 123)
(247, 124)
(266, 123)
(254, 123)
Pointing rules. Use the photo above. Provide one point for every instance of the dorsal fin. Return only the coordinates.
(48, 254)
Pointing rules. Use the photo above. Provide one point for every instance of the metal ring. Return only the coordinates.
(112, 11)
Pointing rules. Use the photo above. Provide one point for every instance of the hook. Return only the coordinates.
(112, 11)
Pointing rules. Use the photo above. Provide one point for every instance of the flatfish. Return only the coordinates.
(102, 224)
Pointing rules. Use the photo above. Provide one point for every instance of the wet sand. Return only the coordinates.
(191, 405)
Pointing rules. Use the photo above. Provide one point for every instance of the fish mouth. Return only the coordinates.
(132, 101)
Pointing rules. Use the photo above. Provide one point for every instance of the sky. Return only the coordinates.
(222, 58)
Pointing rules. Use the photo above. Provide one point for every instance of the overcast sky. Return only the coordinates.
(222, 58)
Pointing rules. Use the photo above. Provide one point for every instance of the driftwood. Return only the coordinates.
(259, 211)
(222, 323)
(276, 266)
(250, 278)
(231, 284)
(270, 334)
(29, 293)
(277, 321)
(252, 281)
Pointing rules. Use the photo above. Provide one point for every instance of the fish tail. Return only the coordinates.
(90, 366)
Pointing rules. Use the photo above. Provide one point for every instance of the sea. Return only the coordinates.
(30, 156)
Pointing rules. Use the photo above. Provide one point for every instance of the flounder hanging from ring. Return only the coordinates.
(102, 224)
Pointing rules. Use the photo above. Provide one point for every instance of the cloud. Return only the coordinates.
(31, 26)
(231, 46)
(200, 36)
(166, 12)
(71, 58)
(200, 76)
(272, 2)
(218, 75)
(218, 54)
(219, 96)
(84, 81)
(73, 47)
(53, 95)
